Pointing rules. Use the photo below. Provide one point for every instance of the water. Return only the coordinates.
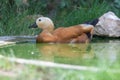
(94, 54)
(98, 60)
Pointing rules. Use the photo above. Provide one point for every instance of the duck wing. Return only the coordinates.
(46, 37)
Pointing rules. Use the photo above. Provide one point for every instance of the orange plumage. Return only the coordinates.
(74, 34)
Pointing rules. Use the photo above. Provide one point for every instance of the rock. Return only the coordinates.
(108, 25)
(9, 40)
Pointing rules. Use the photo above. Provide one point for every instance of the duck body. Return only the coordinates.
(73, 34)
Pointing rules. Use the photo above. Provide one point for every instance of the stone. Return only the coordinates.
(9, 40)
(108, 25)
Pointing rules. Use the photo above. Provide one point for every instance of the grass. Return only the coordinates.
(82, 15)
(19, 71)
(17, 23)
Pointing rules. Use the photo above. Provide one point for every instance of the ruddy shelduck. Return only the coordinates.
(81, 33)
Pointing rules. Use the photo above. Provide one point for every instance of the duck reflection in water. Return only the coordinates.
(68, 51)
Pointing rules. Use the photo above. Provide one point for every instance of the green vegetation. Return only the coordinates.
(17, 15)
(30, 72)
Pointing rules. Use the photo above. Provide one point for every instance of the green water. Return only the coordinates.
(93, 54)
(104, 56)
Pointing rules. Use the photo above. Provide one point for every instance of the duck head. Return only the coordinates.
(43, 23)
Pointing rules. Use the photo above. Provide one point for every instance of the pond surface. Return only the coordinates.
(98, 60)
(102, 55)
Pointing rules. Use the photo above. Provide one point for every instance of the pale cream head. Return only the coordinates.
(45, 23)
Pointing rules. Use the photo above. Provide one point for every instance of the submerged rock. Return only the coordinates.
(108, 25)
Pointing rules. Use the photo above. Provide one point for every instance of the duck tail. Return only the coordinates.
(93, 22)
(89, 35)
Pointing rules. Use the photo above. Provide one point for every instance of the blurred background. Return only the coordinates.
(17, 15)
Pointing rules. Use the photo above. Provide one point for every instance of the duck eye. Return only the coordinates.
(39, 19)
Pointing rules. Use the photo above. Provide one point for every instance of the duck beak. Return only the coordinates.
(33, 25)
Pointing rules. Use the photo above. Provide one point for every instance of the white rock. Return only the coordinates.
(108, 25)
